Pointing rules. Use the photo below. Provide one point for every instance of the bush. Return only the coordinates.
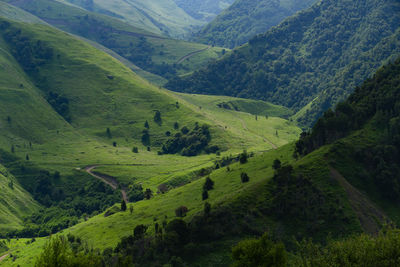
(243, 157)
(208, 184)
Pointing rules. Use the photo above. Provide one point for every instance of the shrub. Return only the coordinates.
(209, 184)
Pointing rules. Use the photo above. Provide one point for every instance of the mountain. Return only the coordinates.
(203, 10)
(311, 60)
(149, 52)
(163, 17)
(246, 18)
(340, 179)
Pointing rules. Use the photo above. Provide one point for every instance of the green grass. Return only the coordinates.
(163, 49)
(123, 103)
(15, 202)
(15, 13)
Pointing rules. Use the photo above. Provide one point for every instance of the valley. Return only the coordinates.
(123, 143)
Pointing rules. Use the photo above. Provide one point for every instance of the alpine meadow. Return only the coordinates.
(199, 133)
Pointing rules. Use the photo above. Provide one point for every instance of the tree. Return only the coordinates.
(123, 205)
(157, 117)
(139, 231)
(148, 193)
(277, 164)
(135, 149)
(204, 195)
(181, 211)
(261, 252)
(243, 157)
(9, 119)
(209, 184)
(27, 157)
(244, 177)
(146, 125)
(12, 149)
(108, 133)
(176, 125)
(207, 208)
(131, 208)
(146, 137)
(114, 144)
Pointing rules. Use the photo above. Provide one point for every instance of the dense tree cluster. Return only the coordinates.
(377, 101)
(60, 104)
(319, 55)
(190, 143)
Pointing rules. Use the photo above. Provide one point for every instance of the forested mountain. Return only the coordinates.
(316, 57)
(203, 9)
(246, 18)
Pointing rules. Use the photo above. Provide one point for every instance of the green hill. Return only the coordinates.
(318, 55)
(151, 52)
(246, 18)
(66, 106)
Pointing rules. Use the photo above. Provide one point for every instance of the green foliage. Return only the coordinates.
(59, 252)
(261, 252)
(157, 117)
(313, 50)
(208, 184)
(245, 19)
(61, 106)
(123, 205)
(243, 157)
(190, 143)
(362, 250)
(244, 177)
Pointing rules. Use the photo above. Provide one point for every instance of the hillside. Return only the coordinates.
(318, 55)
(66, 106)
(203, 10)
(15, 202)
(163, 17)
(246, 18)
(150, 52)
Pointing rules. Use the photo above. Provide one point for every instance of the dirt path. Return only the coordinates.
(4, 256)
(370, 216)
(192, 54)
(111, 181)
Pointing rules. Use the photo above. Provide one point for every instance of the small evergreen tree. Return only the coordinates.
(157, 117)
(244, 177)
(204, 195)
(207, 208)
(135, 149)
(277, 164)
(146, 125)
(176, 125)
(209, 184)
(108, 133)
(123, 205)
(243, 157)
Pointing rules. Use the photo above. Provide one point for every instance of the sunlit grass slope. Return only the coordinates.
(15, 202)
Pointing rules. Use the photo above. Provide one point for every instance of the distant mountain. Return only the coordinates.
(204, 10)
(246, 18)
(149, 52)
(309, 62)
(158, 16)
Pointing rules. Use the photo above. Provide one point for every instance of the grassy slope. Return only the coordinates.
(15, 202)
(79, 72)
(165, 50)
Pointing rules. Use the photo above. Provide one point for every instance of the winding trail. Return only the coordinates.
(4, 256)
(111, 181)
(192, 54)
